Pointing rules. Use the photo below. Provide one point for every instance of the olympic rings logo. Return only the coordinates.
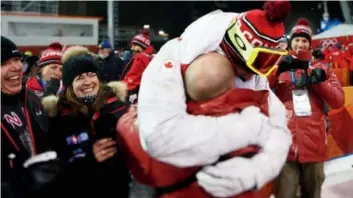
(327, 42)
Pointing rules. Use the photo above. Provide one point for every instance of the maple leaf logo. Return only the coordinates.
(168, 64)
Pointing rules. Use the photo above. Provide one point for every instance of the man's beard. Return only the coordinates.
(103, 56)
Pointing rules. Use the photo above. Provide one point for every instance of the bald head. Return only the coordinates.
(208, 76)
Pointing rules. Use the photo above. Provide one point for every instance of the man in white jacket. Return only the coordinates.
(172, 136)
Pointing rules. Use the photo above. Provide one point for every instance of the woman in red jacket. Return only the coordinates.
(49, 73)
(304, 94)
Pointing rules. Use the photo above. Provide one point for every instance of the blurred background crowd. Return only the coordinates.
(112, 22)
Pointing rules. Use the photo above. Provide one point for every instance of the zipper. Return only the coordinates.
(29, 125)
(325, 131)
(296, 152)
(325, 137)
(11, 157)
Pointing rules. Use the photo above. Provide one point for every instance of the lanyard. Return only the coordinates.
(292, 74)
(41, 82)
(292, 77)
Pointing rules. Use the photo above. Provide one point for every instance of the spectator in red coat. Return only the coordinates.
(304, 97)
(337, 57)
(49, 72)
(143, 54)
(349, 57)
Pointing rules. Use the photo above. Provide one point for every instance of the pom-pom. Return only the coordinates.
(65, 47)
(303, 22)
(56, 46)
(277, 10)
(74, 51)
(145, 32)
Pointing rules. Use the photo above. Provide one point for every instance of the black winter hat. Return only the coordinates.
(76, 61)
(8, 49)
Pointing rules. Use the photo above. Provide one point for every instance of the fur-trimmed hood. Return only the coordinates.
(50, 103)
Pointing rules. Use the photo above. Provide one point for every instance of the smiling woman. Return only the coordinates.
(11, 68)
(11, 76)
(86, 84)
(83, 121)
(47, 79)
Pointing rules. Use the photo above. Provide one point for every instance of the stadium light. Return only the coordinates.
(146, 26)
(161, 32)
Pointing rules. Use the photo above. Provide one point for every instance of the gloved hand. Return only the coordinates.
(247, 131)
(237, 175)
(317, 76)
(290, 62)
(41, 169)
(228, 178)
(53, 87)
(270, 160)
(318, 54)
(260, 125)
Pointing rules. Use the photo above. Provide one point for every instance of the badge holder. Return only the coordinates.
(301, 100)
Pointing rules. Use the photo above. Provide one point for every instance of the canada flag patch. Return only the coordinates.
(168, 64)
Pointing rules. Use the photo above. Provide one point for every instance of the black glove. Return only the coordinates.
(41, 170)
(290, 63)
(317, 76)
(318, 54)
(7, 190)
(52, 87)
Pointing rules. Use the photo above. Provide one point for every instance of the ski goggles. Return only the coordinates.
(261, 60)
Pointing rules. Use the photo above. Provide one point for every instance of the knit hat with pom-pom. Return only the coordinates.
(261, 28)
(51, 55)
(143, 39)
(76, 61)
(301, 29)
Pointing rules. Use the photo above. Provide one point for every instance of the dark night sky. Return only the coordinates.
(174, 16)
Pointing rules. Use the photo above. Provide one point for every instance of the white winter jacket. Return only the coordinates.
(166, 130)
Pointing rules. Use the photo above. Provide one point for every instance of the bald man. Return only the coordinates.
(208, 76)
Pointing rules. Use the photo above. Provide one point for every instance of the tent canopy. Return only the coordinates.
(338, 31)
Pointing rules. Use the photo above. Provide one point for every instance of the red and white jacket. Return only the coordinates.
(171, 135)
(309, 134)
(133, 71)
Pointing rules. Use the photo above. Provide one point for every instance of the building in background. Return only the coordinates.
(33, 25)
(83, 9)
(122, 34)
(43, 7)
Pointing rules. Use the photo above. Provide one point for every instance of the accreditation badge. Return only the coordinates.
(301, 103)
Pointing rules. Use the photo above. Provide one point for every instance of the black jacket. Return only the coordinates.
(73, 134)
(13, 151)
(111, 68)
